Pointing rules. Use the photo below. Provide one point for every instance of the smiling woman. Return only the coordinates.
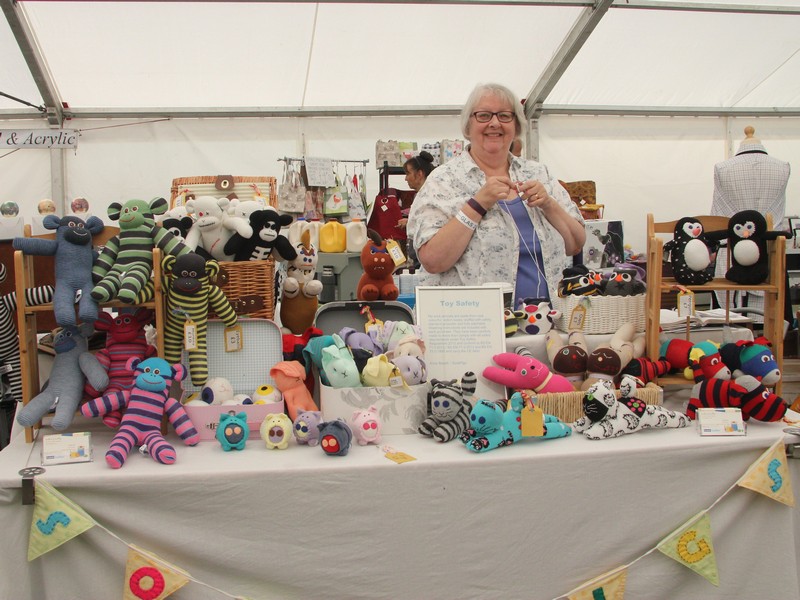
(491, 216)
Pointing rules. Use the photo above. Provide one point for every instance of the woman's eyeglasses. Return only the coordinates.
(484, 116)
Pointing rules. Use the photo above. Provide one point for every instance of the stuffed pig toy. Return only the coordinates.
(366, 426)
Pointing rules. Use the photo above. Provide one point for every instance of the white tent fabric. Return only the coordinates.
(329, 79)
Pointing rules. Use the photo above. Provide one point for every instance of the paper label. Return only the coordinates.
(234, 339)
(720, 421)
(62, 448)
(532, 422)
(396, 381)
(190, 335)
(577, 318)
(395, 252)
(399, 457)
(685, 304)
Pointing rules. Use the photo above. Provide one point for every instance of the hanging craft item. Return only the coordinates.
(336, 199)
(292, 192)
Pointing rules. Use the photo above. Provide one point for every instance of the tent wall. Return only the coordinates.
(662, 165)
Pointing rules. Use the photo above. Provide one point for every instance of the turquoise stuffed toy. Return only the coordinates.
(497, 424)
(339, 366)
(233, 431)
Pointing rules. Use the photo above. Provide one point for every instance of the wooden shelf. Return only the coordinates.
(657, 285)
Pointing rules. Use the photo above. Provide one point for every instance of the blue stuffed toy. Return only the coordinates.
(74, 257)
(497, 424)
(233, 431)
(335, 437)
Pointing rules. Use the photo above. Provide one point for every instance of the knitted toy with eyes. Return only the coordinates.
(339, 366)
(568, 359)
(577, 281)
(748, 358)
(449, 408)
(145, 406)
(289, 377)
(189, 294)
(232, 431)
(525, 373)
(377, 282)
(72, 366)
(300, 297)
(335, 437)
(607, 417)
(266, 239)
(412, 368)
(691, 252)
(538, 316)
(275, 430)
(747, 246)
(124, 267)
(9, 341)
(213, 226)
(306, 427)
(366, 426)
(125, 339)
(73, 253)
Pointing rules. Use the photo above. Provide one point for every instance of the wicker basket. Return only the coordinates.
(604, 314)
(568, 406)
(206, 186)
(249, 286)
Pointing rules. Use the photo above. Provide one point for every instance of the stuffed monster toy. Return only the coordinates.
(73, 253)
(749, 358)
(125, 339)
(335, 437)
(190, 293)
(275, 430)
(537, 316)
(266, 239)
(213, 226)
(606, 417)
(377, 282)
(301, 291)
(123, 269)
(145, 406)
(449, 408)
(525, 373)
(72, 365)
(497, 424)
(306, 427)
(232, 431)
(9, 341)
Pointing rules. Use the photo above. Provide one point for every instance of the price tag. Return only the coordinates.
(577, 318)
(532, 424)
(190, 335)
(396, 381)
(234, 339)
(395, 252)
(685, 304)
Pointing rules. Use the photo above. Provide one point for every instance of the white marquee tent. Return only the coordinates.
(642, 96)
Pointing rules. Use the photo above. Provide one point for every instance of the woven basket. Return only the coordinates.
(205, 186)
(249, 286)
(604, 314)
(568, 406)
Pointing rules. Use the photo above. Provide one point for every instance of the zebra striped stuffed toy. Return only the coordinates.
(123, 269)
(189, 294)
(145, 405)
(449, 408)
(9, 341)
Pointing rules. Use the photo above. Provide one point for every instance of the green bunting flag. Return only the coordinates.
(56, 520)
(691, 546)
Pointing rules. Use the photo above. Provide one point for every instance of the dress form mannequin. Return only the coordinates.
(749, 180)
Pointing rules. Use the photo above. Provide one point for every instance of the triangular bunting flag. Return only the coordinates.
(147, 576)
(691, 546)
(609, 586)
(769, 475)
(56, 520)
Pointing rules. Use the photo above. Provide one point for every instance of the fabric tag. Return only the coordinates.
(234, 339)
(6, 368)
(190, 335)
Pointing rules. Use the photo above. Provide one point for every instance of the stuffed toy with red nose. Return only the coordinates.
(377, 282)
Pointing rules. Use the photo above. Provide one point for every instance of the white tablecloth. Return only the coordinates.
(531, 521)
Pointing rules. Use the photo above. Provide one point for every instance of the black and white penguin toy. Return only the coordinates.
(691, 253)
(747, 246)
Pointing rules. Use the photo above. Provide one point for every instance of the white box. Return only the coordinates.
(62, 448)
(720, 421)
(401, 410)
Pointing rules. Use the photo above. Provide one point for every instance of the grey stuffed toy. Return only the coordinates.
(74, 256)
(72, 367)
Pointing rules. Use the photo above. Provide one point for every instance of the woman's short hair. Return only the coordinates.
(493, 89)
(421, 162)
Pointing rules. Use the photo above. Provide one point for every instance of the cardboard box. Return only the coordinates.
(246, 369)
(401, 409)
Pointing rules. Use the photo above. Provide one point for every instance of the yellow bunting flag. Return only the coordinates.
(147, 577)
(609, 586)
(769, 475)
(691, 546)
(56, 520)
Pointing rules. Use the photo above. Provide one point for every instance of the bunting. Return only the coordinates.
(691, 546)
(609, 586)
(56, 520)
(769, 475)
(147, 577)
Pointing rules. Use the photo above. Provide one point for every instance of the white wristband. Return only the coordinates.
(465, 220)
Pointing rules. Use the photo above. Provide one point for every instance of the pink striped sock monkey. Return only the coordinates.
(145, 404)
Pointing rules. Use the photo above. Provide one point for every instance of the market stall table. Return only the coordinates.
(533, 520)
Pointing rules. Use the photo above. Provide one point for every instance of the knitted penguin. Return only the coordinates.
(692, 254)
(747, 247)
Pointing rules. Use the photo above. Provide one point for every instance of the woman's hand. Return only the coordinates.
(534, 194)
(499, 187)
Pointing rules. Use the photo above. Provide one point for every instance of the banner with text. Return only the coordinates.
(38, 138)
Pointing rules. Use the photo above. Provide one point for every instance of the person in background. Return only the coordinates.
(516, 147)
(417, 169)
(488, 215)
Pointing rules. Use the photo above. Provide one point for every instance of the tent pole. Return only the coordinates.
(57, 176)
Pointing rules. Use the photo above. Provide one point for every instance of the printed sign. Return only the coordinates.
(38, 138)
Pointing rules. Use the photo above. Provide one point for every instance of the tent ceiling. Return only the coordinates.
(301, 58)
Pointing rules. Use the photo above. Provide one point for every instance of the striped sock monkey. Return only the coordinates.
(189, 294)
(9, 341)
(123, 269)
(449, 409)
(145, 405)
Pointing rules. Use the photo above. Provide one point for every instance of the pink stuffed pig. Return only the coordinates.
(366, 426)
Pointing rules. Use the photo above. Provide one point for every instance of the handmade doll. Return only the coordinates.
(449, 408)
